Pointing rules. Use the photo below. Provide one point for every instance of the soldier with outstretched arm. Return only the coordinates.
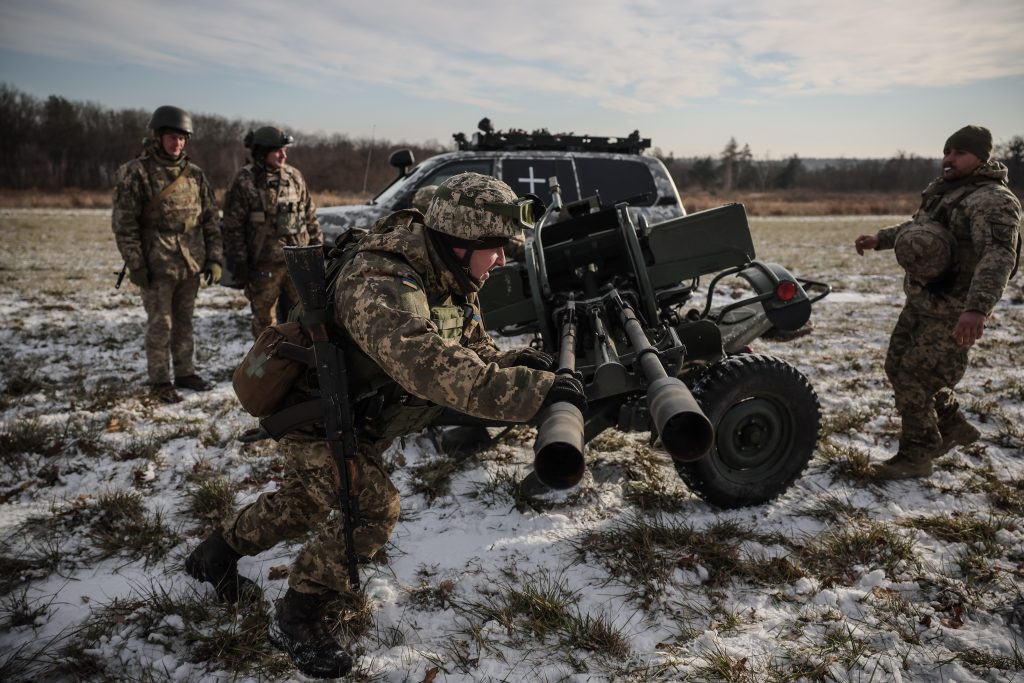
(405, 315)
(959, 251)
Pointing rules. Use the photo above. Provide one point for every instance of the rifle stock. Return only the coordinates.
(306, 269)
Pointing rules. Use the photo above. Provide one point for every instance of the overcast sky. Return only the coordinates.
(804, 77)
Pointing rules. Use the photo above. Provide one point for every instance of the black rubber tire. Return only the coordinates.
(766, 417)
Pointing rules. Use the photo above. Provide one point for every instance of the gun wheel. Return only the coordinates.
(766, 418)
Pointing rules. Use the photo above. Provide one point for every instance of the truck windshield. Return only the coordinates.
(391, 190)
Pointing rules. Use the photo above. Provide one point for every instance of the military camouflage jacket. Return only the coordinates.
(265, 212)
(178, 236)
(984, 217)
(402, 306)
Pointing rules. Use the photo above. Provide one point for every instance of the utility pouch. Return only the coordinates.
(449, 321)
(271, 367)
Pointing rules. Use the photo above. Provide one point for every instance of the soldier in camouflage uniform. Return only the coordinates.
(165, 225)
(953, 281)
(267, 207)
(406, 314)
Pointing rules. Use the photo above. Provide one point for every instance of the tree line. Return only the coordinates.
(57, 144)
(736, 168)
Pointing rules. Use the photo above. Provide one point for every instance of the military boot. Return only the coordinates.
(903, 465)
(215, 561)
(298, 628)
(959, 432)
(164, 392)
(193, 382)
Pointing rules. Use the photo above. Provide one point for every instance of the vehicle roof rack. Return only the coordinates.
(542, 139)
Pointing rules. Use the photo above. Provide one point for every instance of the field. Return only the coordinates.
(629, 577)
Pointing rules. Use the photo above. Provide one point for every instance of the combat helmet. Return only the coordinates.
(926, 249)
(422, 198)
(267, 137)
(174, 118)
(478, 211)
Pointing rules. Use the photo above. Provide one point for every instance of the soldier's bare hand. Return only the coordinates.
(865, 243)
(969, 328)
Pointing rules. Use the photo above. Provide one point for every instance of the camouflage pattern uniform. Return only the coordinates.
(924, 363)
(175, 240)
(413, 338)
(265, 211)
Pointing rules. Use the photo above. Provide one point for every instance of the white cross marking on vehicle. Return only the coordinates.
(531, 180)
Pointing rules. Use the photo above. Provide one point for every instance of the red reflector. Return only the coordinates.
(785, 290)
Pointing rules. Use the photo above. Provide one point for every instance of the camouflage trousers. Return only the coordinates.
(924, 364)
(169, 304)
(305, 501)
(266, 283)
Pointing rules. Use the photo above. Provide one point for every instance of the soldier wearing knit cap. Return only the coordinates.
(959, 250)
(973, 139)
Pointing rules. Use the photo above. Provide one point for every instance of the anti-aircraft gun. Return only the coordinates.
(608, 297)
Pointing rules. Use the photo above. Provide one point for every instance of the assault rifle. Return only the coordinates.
(306, 269)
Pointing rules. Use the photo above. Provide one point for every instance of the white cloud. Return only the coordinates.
(638, 56)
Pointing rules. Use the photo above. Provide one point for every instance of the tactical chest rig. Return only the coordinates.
(274, 381)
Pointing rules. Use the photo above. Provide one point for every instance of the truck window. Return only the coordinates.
(531, 176)
(484, 166)
(615, 180)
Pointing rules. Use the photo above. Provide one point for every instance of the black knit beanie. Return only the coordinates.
(973, 139)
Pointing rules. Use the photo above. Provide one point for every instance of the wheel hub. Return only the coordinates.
(751, 433)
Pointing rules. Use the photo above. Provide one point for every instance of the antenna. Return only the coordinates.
(369, 155)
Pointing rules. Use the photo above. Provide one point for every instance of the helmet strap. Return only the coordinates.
(442, 243)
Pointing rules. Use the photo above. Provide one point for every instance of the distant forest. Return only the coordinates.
(58, 144)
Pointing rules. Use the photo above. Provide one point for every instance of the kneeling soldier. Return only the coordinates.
(405, 312)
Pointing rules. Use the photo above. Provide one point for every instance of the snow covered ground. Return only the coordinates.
(628, 577)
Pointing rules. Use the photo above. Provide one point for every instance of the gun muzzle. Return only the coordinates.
(685, 430)
(558, 449)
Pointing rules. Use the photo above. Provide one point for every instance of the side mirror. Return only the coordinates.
(401, 159)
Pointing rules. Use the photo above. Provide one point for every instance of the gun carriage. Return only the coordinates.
(612, 300)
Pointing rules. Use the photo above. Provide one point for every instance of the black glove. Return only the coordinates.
(140, 276)
(569, 389)
(534, 359)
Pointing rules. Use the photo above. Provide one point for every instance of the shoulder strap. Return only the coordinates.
(944, 212)
(157, 200)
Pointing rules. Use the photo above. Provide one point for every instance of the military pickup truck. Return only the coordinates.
(612, 169)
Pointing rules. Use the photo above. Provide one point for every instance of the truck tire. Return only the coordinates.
(766, 418)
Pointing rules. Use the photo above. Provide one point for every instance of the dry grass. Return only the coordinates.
(778, 203)
(76, 198)
(807, 202)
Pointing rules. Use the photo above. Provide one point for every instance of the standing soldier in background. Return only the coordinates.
(267, 208)
(959, 250)
(165, 225)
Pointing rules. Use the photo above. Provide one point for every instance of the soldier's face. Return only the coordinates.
(173, 143)
(483, 261)
(958, 163)
(276, 158)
